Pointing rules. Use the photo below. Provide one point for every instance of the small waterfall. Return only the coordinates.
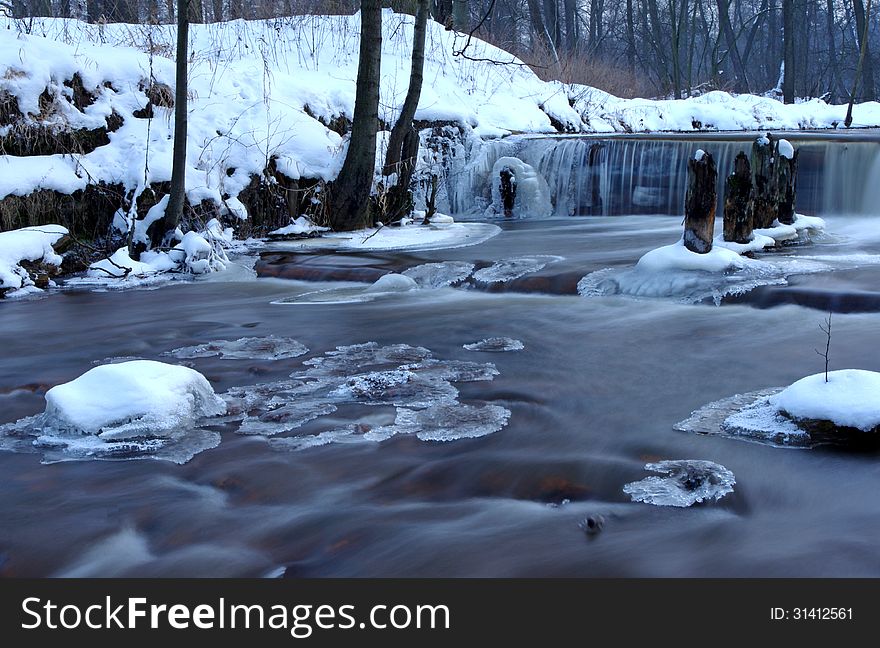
(609, 176)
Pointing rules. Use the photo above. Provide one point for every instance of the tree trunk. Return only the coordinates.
(737, 190)
(174, 211)
(403, 143)
(741, 84)
(786, 185)
(539, 28)
(349, 194)
(700, 203)
(460, 15)
(788, 38)
(571, 31)
(507, 189)
(763, 199)
(865, 63)
(404, 122)
(630, 37)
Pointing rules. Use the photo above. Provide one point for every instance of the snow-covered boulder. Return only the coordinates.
(131, 399)
(678, 257)
(849, 399)
(32, 244)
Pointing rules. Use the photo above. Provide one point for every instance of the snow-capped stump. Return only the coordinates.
(685, 482)
(737, 191)
(700, 203)
(129, 410)
(845, 410)
(28, 258)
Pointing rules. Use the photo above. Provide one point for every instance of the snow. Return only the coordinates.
(131, 398)
(686, 482)
(786, 150)
(678, 257)
(393, 282)
(407, 237)
(757, 243)
(27, 244)
(298, 227)
(699, 154)
(850, 398)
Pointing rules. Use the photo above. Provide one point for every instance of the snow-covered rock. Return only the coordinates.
(678, 257)
(27, 244)
(129, 399)
(393, 282)
(850, 398)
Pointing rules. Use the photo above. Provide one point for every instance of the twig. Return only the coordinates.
(826, 329)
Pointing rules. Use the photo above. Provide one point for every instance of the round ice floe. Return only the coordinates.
(850, 398)
(250, 348)
(685, 483)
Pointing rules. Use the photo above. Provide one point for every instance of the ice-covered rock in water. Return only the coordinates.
(28, 244)
(141, 397)
(393, 282)
(532, 191)
(849, 399)
(495, 345)
(678, 257)
(510, 269)
(684, 483)
(438, 275)
(249, 348)
(747, 417)
(140, 408)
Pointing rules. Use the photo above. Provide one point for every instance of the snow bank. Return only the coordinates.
(131, 399)
(301, 226)
(27, 244)
(850, 398)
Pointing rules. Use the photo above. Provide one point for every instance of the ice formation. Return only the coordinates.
(684, 483)
(253, 348)
(405, 377)
(438, 275)
(495, 344)
(514, 268)
(532, 192)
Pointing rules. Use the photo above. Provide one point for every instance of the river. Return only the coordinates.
(593, 396)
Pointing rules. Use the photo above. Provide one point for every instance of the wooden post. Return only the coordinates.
(786, 181)
(699, 203)
(763, 203)
(737, 190)
(508, 190)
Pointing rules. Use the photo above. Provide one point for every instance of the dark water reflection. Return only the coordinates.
(593, 397)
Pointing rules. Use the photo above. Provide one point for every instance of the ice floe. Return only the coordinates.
(514, 268)
(495, 345)
(683, 483)
(252, 348)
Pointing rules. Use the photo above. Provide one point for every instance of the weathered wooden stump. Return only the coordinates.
(737, 191)
(786, 181)
(763, 202)
(699, 203)
(508, 190)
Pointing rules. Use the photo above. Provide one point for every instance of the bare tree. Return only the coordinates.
(174, 211)
(349, 194)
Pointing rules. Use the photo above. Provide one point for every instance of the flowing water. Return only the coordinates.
(592, 397)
